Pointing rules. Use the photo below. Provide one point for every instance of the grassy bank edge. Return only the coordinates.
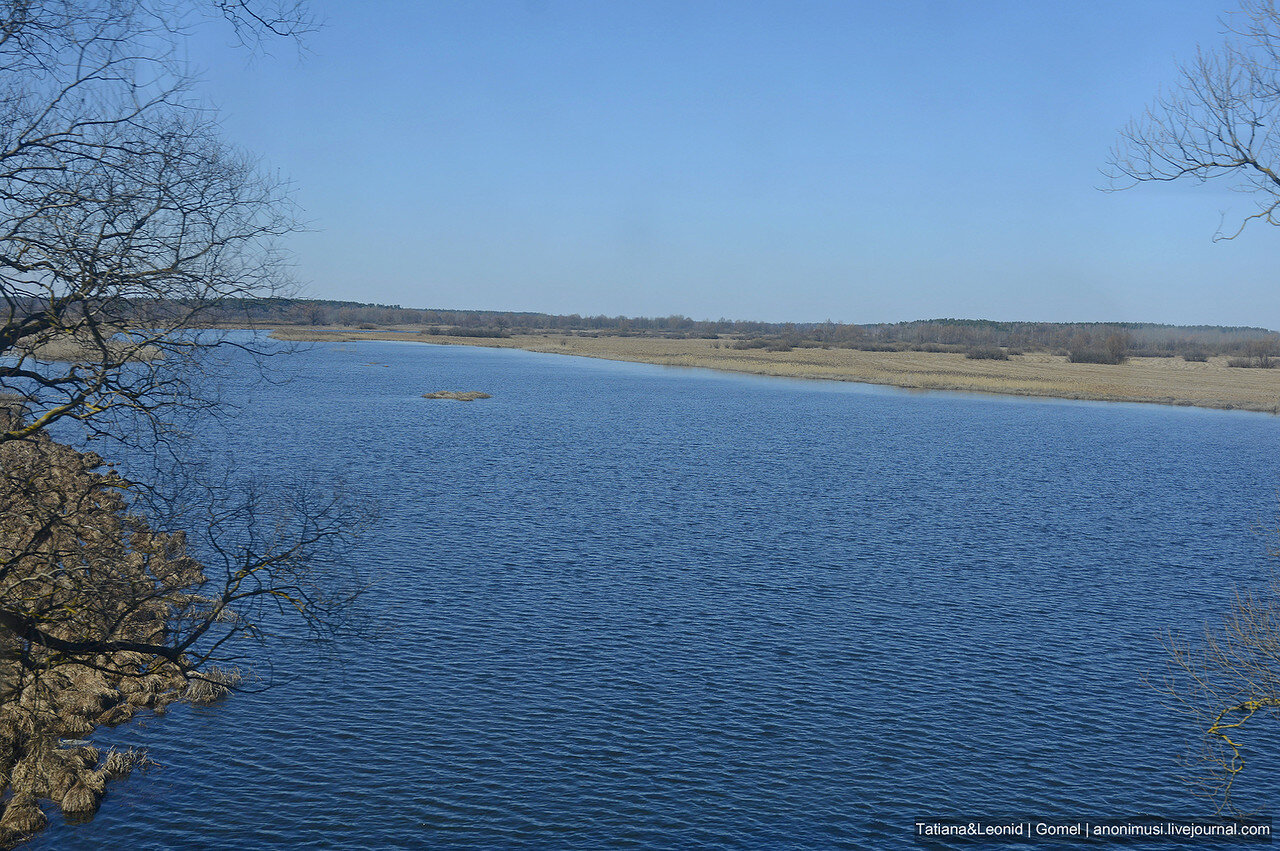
(1166, 381)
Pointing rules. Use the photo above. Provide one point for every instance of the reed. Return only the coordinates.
(212, 685)
(120, 764)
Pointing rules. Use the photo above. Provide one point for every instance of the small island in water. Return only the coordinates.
(457, 395)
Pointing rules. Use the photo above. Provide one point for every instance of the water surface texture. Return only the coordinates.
(626, 605)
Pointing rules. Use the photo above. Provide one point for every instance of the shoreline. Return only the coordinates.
(1161, 381)
(70, 519)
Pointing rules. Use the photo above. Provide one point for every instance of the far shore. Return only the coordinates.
(1164, 381)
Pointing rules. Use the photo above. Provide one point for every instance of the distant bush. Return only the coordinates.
(987, 353)
(1251, 363)
(1013, 351)
(1195, 357)
(477, 332)
(1094, 356)
(875, 347)
(773, 344)
(1086, 349)
(1259, 354)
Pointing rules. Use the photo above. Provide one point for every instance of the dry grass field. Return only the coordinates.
(1168, 381)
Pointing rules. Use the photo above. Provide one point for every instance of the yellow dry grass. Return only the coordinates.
(1167, 381)
(71, 350)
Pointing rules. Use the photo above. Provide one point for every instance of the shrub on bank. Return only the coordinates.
(1094, 356)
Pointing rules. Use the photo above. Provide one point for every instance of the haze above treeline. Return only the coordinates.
(1142, 338)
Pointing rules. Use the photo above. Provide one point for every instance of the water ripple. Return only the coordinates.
(617, 605)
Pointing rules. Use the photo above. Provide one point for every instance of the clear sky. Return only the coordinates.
(789, 161)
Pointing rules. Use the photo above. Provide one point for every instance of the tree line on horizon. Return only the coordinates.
(1108, 341)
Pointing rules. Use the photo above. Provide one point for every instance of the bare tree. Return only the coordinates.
(124, 217)
(126, 221)
(1220, 120)
(1226, 683)
(1219, 123)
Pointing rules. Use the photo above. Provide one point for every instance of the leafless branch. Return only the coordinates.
(1219, 121)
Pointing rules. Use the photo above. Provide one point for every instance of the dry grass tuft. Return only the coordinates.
(130, 686)
(76, 726)
(212, 685)
(24, 775)
(80, 800)
(120, 764)
(88, 755)
(83, 703)
(48, 772)
(59, 779)
(94, 781)
(23, 816)
(116, 715)
(141, 699)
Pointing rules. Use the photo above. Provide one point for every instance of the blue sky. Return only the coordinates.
(795, 160)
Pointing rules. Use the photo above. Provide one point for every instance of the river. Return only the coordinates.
(620, 604)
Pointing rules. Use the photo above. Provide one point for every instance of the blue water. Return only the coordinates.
(624, 605)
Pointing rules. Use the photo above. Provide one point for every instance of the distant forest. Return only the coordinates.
(962, 335)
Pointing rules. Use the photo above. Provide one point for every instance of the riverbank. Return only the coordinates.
(1165, 381)
(87, 589)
